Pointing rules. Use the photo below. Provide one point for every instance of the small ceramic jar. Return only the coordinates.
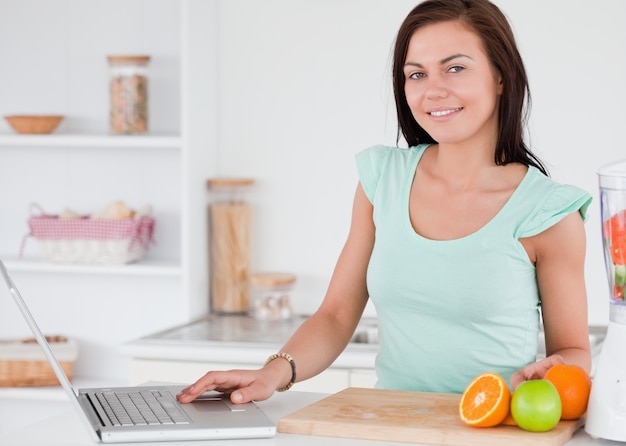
(271, 295)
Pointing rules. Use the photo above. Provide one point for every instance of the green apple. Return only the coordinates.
(536, 405)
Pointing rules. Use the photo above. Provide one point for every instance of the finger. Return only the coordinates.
(553, 360)
(257, 391)
(204, 384)
(536, 370)
(527, 373)
(540, 368)
(222, 381)
(516, 379)
(191, 393)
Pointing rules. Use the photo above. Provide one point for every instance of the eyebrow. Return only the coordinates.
(441, 62)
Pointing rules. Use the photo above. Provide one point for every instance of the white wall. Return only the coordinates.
(305, 85)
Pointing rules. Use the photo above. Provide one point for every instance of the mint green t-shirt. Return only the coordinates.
(450, 310)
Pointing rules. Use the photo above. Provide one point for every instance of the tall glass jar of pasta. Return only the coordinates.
(128, 94)
(230, 218)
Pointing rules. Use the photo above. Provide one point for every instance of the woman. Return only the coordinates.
(459, 240)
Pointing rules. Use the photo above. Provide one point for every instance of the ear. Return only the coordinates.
(500, 85)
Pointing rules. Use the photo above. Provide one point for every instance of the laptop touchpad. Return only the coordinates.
(212, 403)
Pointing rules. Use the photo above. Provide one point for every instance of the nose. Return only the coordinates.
(435, 87)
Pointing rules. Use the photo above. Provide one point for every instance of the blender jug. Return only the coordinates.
(606, 412)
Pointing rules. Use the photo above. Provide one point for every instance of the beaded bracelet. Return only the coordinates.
(287, 357)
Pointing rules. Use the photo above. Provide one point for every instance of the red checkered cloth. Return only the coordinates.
(51, 227)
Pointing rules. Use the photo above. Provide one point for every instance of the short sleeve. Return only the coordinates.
(559, 202)
(369, 163)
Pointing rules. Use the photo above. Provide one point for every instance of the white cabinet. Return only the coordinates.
(363, 378)
(55, 62)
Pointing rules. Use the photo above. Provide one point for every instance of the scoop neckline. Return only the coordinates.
(407, 195)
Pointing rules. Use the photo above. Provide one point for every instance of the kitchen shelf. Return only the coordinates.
(149, 141)
(154, 268)
(82, 163)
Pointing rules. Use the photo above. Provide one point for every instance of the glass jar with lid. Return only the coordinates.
(230, 221)
(128, 94)
(271, 295)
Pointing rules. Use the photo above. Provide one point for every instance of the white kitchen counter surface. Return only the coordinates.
(245, 340)
(236, 339)
(61, 426)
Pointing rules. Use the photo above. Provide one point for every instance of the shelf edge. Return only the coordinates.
(150, 141)
(155, 269)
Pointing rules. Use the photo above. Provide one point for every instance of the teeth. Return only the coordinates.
(444, 112)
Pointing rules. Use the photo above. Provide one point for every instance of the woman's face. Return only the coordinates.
(451, 86)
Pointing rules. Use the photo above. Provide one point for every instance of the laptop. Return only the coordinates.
(150, 413)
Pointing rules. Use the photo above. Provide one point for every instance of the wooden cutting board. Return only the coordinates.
(412, 417)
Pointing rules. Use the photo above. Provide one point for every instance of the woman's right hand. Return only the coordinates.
(244, 385)
(323, 336)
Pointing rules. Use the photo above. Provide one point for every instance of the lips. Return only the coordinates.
(440, 113)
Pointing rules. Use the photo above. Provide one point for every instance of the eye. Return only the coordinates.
(456, 69)
(416, 75)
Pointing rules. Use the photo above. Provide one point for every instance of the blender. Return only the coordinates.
(606, 412)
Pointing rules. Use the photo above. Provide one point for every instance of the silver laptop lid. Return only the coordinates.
(47, 350)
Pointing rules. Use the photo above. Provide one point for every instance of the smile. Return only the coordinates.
(445, 112)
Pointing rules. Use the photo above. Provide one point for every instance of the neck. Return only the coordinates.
(462, 166)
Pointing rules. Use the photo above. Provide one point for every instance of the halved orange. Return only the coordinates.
(486, 401)
(508, 420)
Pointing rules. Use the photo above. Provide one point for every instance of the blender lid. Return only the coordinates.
(613, 175)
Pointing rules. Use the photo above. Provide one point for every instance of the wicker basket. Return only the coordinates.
(30, 373)
(91, 241)
(33, 124)
(22, 364)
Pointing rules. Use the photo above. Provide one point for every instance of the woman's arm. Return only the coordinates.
(559, 256)
(322, 337)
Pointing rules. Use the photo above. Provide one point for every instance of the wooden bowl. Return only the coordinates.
(34, 124)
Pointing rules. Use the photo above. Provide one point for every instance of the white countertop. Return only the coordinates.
(237, 339)
(246, 340)
(52, 422)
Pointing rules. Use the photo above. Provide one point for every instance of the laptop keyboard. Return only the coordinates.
(142, 408)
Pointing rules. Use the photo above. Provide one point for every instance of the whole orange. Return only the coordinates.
(573, 385)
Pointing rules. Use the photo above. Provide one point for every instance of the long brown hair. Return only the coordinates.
(491, 25)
